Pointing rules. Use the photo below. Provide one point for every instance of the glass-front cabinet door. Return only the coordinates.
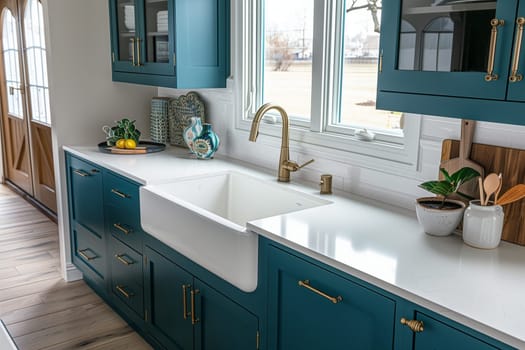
(142, 36)
(459, 48)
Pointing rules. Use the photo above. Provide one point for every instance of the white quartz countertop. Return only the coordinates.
(378, 243)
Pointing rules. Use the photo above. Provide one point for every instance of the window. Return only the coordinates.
(12, 65)
(318, 59)
(36, 62)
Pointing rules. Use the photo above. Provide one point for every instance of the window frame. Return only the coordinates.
(321, 135)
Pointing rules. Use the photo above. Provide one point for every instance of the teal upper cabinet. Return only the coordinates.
(453, 58)
(170, 43)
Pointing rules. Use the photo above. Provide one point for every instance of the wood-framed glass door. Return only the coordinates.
(26, 119)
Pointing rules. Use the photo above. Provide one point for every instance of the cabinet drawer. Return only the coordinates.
(89, 252)
(125, 226)
(438, 335)
(126, 264)
(126, 276)
(312, 308)
(121, 193)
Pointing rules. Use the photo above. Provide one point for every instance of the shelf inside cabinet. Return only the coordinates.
(459, 7)
(158, 33)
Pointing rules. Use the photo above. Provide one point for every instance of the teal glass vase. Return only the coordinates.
(206, 144)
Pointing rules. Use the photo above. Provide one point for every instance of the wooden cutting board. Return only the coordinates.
(511, 163)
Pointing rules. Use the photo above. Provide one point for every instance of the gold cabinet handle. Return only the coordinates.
(415, 325)
(80, 173)
(122, 291)
(306, 284)
(83, 254)
(119, 227)
(185, 312)
(138, 52)
(133, 52)
(514, 75)
(194, 319)
(494, 23)
(118, 193)
(123, 258)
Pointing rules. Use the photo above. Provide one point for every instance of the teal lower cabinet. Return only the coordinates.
(185, 313)
(312, 308)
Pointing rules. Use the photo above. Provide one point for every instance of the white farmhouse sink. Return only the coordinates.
(204, 218)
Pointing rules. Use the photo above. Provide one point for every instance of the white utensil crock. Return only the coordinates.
(482, 225)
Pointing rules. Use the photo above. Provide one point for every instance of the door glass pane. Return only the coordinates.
(157, 31)
(287, 67)
(359, 74)
(450, 35)
(126, 29)
(12, 65)
(36, 62)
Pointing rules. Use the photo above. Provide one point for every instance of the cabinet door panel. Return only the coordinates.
(517, 87)
(439, 336)
(300, 318)
(165, 301)
(223, 324)
(89, 253)
(86, 197)
(424, 55)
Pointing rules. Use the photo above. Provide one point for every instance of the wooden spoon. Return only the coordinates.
(490, 185)
(515, 193)
(499, 189)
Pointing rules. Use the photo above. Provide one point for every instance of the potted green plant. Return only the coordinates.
(440, 215)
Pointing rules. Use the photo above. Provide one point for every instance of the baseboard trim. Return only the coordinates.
(72, 273)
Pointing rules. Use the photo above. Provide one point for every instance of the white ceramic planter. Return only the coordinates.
(482, 225)
(439, 222)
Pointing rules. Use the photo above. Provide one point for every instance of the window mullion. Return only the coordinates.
(319, 59)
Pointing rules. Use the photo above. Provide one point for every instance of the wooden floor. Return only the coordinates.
(40, 309)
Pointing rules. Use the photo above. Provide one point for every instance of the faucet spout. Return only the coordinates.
(285, 165)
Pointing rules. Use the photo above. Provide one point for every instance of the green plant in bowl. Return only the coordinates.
(125, 129)
(440, 215)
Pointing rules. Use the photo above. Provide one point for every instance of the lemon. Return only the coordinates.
(121, 143)
(130, 143)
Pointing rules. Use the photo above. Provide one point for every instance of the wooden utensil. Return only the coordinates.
(490, 185)
(463, 160)
(499, 188)
(514, 194)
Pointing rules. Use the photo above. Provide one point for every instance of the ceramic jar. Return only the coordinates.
(206, 144)
(482, 225)
(193, 130)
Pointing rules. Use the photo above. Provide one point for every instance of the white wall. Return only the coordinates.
(83, 96)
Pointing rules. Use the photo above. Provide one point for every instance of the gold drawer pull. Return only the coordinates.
(306, 284)
(118, 193)
(194, 319)
(185, 312)
(83, 254)
(119, 227)
(415, 325)
(123, 258)
(514, 75)
(494, 23)
(80, 173)
(121, 289)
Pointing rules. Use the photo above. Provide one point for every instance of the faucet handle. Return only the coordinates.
(293, 166)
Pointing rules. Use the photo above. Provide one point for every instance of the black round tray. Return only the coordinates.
(142, 148)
